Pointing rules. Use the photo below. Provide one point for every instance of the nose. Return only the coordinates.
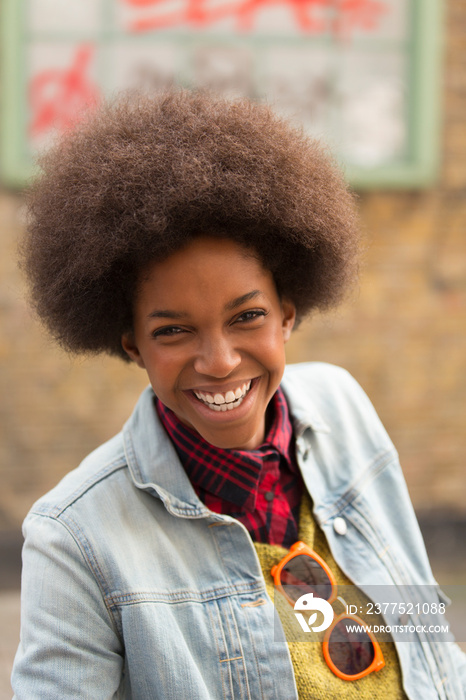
(216, 357)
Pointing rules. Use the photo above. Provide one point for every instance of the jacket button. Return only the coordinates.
(340, 526)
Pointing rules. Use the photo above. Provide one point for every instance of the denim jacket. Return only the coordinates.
(132, 588)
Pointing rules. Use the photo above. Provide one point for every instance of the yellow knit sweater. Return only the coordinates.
(313, 677)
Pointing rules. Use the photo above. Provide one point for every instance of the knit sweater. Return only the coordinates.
(314, 679)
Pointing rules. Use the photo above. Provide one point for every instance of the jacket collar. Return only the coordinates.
(304, 412)
(153, 463)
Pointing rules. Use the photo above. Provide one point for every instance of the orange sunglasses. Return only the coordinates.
(349, 654)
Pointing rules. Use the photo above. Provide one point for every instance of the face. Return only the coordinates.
(210, 329)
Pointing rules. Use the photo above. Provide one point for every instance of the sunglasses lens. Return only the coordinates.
(351, 651)
(303, 574)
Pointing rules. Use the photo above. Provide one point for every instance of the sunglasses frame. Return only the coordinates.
(301, 548)
(378, 661)
(298, 549)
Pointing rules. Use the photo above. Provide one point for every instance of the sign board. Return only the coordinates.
(363, 75)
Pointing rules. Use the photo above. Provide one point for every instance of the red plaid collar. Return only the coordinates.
(231, 475)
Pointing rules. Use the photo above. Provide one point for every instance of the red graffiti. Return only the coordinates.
(359, 14)
(59, 96)
(342, 15)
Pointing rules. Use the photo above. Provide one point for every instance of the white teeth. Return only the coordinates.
(226, 406)
(227, 402)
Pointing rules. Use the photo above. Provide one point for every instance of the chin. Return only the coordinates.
(233, 442)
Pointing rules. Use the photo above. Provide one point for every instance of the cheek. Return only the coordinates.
(272, 350)
(163, 370)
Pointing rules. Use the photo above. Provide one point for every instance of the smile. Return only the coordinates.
(224, 402)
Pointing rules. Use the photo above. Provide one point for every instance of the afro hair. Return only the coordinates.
(141, 176)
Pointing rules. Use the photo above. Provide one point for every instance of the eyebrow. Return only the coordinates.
(242, 299)
(166, 313)
(234, 304)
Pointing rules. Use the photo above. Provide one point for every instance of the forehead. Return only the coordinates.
(208, 268)
(203, 257)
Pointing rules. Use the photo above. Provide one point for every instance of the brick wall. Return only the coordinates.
(402, 335)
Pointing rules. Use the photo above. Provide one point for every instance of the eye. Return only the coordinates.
(167, 332)
(252, 315)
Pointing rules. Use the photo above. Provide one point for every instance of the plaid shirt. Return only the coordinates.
(262, 488)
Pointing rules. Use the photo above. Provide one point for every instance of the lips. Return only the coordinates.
(225, 401)
(242, 425)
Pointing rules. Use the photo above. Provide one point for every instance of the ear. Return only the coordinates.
(129, 346)
(288, 318)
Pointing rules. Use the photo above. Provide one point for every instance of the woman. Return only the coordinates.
(190, 235)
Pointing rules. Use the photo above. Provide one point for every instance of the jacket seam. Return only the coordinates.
(242, 656)
(84, 488)
(212, 622)
(89, 566)
(378, 465)
(123, 599)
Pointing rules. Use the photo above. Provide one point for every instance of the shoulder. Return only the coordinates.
(319, 375)
(109, 483)
(319, 384)
(329, 400)
(102, 466)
